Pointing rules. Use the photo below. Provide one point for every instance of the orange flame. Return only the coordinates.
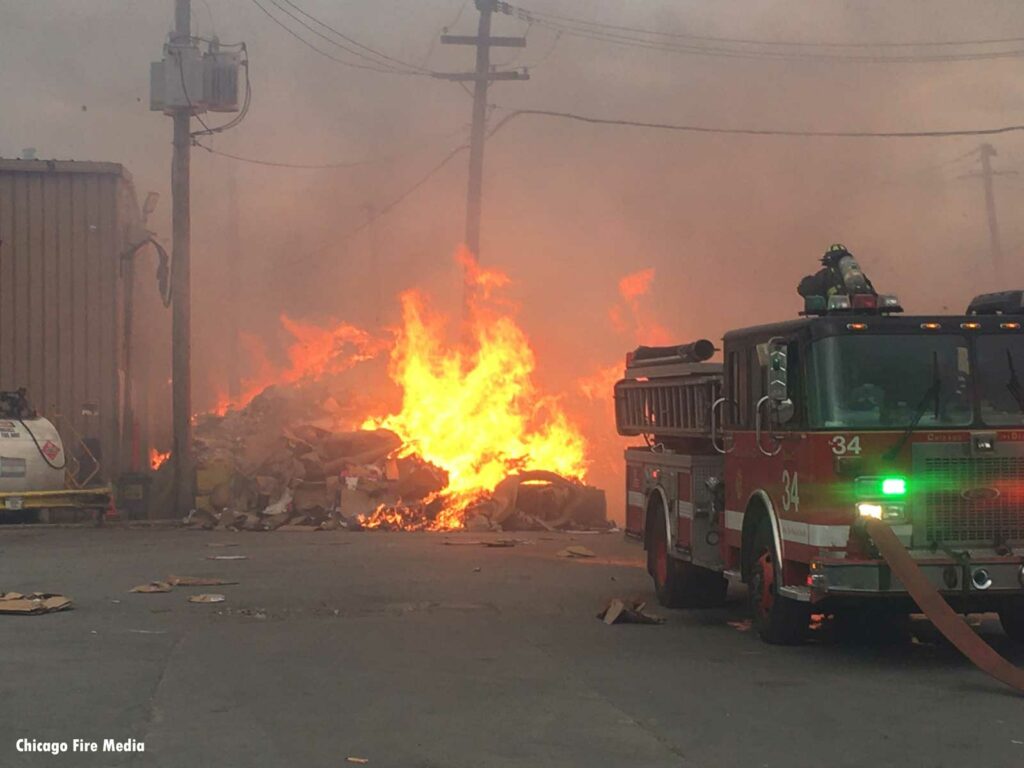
(472, 408)
(158, 458)
(314, 352)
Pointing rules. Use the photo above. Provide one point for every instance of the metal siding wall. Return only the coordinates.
(36, 348)
(60, 298)
(7, 283)
(50, 394)
(65, 293)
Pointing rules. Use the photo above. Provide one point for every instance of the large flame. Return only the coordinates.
(472, 407)
(315, 351)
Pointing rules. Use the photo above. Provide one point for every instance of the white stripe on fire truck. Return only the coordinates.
(815, 535)
(635, 499)
(685, 509)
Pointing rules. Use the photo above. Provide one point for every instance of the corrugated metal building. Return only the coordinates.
(70, 270)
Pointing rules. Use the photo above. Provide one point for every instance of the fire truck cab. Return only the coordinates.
(763, 467)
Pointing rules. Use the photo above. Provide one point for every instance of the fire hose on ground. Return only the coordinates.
(938, 611)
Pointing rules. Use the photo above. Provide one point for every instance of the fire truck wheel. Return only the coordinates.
(1011, 616)
(679, 584)
(779, 620)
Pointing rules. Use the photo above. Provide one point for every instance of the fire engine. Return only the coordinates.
(765, 467)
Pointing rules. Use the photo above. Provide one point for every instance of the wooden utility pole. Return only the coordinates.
(181, 304)
(481, 78)
(985, 153)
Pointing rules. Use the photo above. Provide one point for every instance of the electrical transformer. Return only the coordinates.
(188, 79)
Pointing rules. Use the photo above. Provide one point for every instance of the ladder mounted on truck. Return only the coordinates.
(668, 391)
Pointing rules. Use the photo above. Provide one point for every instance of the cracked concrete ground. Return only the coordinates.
(412, 654)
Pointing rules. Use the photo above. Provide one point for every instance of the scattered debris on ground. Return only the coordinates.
(283, 463)
(152, 587)
(34, 603)
(628, 612)
(357, 760)
(198, 581)
(227, 557)
(497, 543)
(576, 551)
(207, 598)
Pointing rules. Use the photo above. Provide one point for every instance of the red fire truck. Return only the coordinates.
(765, 467)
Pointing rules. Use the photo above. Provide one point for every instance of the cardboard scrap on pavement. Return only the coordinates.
(576, 551)
(152, 588)
(198, 581)
(619, 612)
(33, 604)
(207, 598)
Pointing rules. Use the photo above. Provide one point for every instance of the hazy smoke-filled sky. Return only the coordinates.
(729, 223)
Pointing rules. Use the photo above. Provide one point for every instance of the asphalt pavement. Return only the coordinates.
(409, 653)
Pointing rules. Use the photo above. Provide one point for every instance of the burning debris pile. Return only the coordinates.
(473, 446)
(278, 464)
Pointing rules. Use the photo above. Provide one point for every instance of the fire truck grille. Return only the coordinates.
(973, 499)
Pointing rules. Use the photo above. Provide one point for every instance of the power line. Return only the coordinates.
(575, 20)
(383, 211)
(726, 47)
(753, 131)
(372, 68)
(547, 54)
(738, 53)
(354, 42)
(443, 30)
(385, 67)
(326, 165)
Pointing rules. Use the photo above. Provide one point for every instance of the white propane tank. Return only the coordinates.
(31, 456)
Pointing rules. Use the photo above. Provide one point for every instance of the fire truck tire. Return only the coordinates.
(679, 584)
(1011, 616)
(779, 620)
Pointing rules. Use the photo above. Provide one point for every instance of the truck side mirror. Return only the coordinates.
(778, 381)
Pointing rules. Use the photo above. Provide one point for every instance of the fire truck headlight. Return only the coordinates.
(890, 513)
(867, 509)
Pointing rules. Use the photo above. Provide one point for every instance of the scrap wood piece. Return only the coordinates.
(576, 551)
(207, 598)
(619, 612)
(153, 587)
(227, 557)
(198, 581)
(33, 604)
(357, 760)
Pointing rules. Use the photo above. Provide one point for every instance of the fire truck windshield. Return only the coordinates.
(878, 382)
(1000, 362)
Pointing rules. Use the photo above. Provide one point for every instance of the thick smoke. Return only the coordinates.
(728, 223)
